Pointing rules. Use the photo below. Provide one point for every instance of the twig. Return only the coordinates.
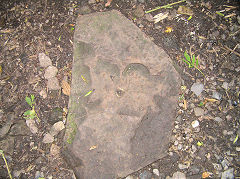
(9, 173)
(227, 48)
(165, 6)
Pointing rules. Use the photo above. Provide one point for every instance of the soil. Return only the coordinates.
(28, 28)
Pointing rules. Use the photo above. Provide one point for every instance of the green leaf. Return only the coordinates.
(187, 56)
(1, 151)
(32, 97)
(193, 60)
(196, 62)
(186, 62)
(201, 104)
(32, 112)
(29, 101)
(27, 113)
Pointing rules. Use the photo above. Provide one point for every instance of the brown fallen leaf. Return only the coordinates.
(185, 10)
(108, 3)
(211, 100)
(185, 104)
(66, 88)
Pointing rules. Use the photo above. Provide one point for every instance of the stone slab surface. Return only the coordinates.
(123, 97)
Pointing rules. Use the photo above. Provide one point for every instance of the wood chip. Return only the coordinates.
(66, 88)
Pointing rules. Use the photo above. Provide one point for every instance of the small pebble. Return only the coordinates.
(179, 175)
(48, 138)
(182, 166)
(198, 111)
(180, 146)
(216, 95)
(195, 124)
(218, 119)
(197, 88)
(225, 85)
(156, 171)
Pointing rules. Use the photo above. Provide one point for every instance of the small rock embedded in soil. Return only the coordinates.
(216, 95)
(178, 175)
(92, 1)
(44, 60)
(218, 119)
(149, 17)
(182, 166)
(48, 138)
(54, 150)
(197, 88)
(43, 93)
(225, 85)
(50, 72)
(6, 127)
(195, 124)
(198, 111)
(145, 175)
(53, 84)
(228, 174)
(131, 177)
(156, 171)
(57, 127)
(138, 12)
(32, 126)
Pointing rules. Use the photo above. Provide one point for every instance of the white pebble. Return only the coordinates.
(156, 171)
(195, 124)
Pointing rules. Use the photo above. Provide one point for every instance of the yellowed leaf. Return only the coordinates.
(168, 29)
(211, 100)
(0, 69)
(84, 79)
(66, 88)
(108, 3)
(93, 147)
(205, 175)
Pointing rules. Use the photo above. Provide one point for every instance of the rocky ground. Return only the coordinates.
(36, 40)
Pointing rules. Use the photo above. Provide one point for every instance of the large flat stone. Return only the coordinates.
(123, 97)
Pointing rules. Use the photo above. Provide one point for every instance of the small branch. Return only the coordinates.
(165, 6)
(227, 48)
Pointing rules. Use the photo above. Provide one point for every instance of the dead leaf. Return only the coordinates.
(185, 10)
(157, 18)
(211, 100)
(66, 88)
(185, 104)
(93, 147)
(5, 31)
(205, 175)
(108, 3)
